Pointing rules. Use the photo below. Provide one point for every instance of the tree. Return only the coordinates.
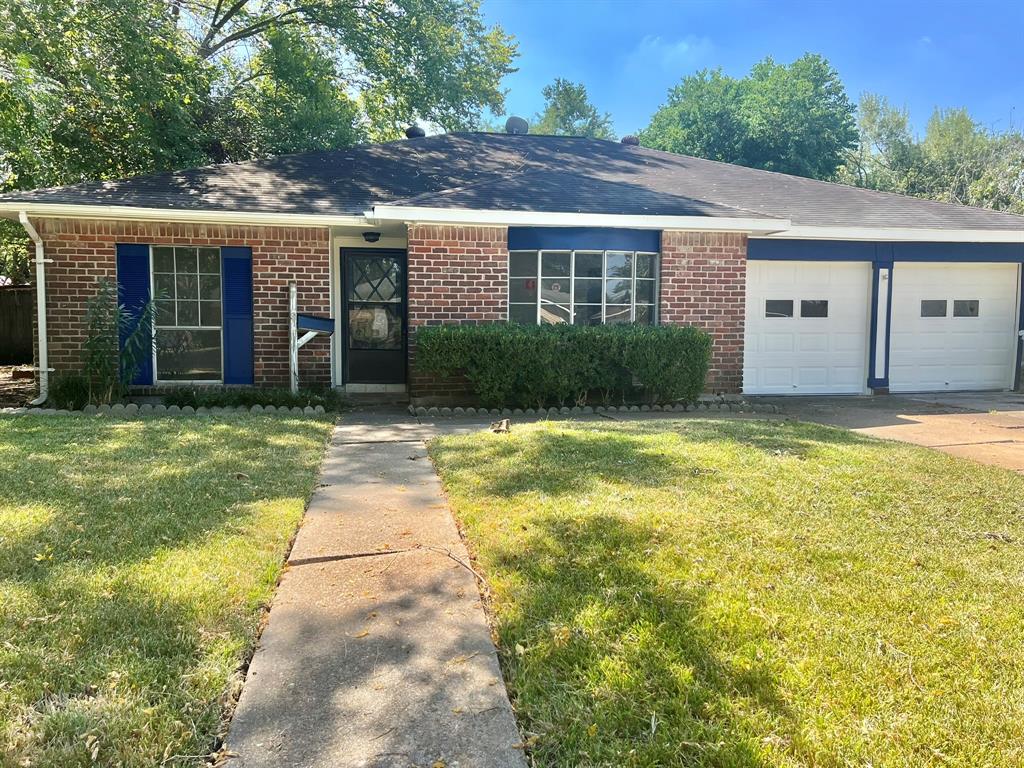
(568, 112)
(793, 119)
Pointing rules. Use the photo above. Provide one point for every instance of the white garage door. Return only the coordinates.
(953, 326)
(806, 327)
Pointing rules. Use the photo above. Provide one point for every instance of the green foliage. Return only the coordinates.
(108, 365)
(15, 262)
(232, 397)
(568, 112)
(793, 119)
(538, 366)
(70, 390)
(957, 161)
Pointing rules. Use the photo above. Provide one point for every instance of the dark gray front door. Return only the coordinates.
(373, 315)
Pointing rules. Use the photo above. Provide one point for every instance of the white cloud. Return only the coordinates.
(669, 55)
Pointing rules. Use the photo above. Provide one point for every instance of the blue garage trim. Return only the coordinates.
(133, 292)
(578, 238)
(236, 295)
(854, 250)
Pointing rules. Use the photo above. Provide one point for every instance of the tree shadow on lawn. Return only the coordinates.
(614, 657)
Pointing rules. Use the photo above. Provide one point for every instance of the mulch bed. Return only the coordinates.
(15, 392)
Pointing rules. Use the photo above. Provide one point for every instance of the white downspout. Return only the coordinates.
(44, 369)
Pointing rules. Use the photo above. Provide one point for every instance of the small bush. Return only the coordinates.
(69, 390)
(537, 366)
(233, 397)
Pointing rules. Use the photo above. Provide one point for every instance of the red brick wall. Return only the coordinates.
(703, 283)
(456, 275)
(83, 251)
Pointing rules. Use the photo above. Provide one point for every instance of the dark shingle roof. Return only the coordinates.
(520, 173)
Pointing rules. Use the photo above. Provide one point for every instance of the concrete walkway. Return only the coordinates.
(377, 653)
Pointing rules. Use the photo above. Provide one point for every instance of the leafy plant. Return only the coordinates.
(233, 397)
(538, 366)
(117, 341)
(70, 390)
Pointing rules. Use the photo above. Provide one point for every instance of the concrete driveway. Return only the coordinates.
(987, 427)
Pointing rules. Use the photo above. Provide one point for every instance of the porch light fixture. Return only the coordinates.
(371, 237)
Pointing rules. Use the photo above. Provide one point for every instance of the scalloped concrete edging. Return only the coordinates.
(704, 404)
(131, 410)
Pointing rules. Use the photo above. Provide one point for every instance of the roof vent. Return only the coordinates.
(516, 126)
(414, 132)
(631, 141)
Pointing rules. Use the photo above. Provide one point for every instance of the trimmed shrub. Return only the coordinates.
(508, 364)
(232, 397)
(69, 390)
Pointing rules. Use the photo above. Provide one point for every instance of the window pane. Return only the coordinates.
(522, 289)
(554, 265)
(165, 313)
(587, 291)
(553, 313)
(523, 313)
(620, 264)
(188, 313)
(588, 264)
(522, 264)
(644, 291)
(163, 259)
(933, 308)
(186, 286)
(185, 261)
(965, 308)
(616, 314)
(587, 314)
(209, 287)
(209, 313)
(163, 286)
(778, 308)
(645, 264)
(813, 308)
(188, 355)
(644, 315)
(554, 291)
(619, 292)
(209, 260)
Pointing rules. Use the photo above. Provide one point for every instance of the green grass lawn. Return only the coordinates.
(748, 593)
(135, 557)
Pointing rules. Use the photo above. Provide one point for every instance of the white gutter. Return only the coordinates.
(130, 213)
(44, 370)
(546, 219)
(905, 234)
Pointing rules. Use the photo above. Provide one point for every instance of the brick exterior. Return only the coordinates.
(455, 275)
(703, 283)
(83, 251)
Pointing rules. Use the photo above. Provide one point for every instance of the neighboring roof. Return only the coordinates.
(550, 174)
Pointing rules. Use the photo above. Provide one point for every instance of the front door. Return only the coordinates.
(373, 315)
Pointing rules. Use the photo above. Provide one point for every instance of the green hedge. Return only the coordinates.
(543, 365)
(211, 397)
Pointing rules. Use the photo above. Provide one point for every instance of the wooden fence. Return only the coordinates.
(17, 304)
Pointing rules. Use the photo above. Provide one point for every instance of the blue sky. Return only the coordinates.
(628, 53)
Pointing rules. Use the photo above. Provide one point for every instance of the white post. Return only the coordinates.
(293, 336)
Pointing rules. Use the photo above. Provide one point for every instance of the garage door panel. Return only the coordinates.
(807, 355)
(953, 352)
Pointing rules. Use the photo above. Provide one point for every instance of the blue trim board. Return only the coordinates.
(314, 323)
(855, 250)
(236, 303)
(583, 238)
(133, 293)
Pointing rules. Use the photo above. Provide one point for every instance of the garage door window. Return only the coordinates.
(778, 308)
(966, 308)
(813, 308)
(933, 308)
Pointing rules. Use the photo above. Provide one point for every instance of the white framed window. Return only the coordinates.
(583, 287)
(187, 333)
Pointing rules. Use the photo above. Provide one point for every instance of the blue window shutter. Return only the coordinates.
(236, 286)
(133, 294)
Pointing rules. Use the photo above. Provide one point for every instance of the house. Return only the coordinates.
(806, 287)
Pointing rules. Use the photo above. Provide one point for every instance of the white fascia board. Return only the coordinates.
(129, 213)
(909, 234)
(415, 215)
